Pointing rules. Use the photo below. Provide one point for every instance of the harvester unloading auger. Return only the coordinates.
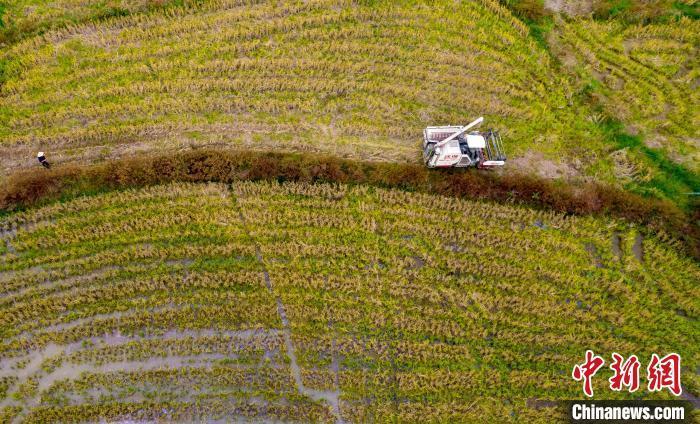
(453, 147)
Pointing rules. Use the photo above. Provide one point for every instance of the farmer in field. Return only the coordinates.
(42, 160)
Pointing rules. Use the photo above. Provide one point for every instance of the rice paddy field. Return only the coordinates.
(647, 75)
(355, 79)
(250, 297)
(324, 303)
(22, 19)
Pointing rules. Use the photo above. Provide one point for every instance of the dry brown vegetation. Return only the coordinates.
(27, 188)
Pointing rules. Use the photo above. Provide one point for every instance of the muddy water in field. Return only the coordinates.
(71, 371)
(638, 247)
(686, 395)
(6, 235)
(9, 368)
(24, 273)
(417, 262)
(9, 247)
(616, 245)
(32, 362)
(66, 282)
(30, 366)
(78, 322)
(330, 397)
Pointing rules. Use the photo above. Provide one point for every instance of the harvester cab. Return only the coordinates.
(458, 147)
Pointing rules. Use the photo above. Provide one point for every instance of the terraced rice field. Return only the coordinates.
(323, 303)
(355, 79)
(649, 75)
(21, 19)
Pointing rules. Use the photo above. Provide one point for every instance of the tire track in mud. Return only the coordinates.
(330, 397)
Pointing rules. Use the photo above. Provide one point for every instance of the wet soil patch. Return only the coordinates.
(597, 261)
(638, 247)
(616, 245)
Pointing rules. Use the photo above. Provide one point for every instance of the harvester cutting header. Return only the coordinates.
(455, 147)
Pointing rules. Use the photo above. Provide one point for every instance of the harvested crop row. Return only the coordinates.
(399, 313)
(353, 80)
(647, 74)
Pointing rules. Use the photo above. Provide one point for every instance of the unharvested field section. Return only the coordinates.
(322, 302)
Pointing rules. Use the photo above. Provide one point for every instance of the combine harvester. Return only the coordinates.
(453, 147)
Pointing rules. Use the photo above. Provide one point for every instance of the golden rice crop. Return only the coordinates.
(381, 295)
(357, 80)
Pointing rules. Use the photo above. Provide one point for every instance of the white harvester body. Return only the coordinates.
(454, 147)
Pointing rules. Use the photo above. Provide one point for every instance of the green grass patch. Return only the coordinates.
(689, 9)
(673, 181)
